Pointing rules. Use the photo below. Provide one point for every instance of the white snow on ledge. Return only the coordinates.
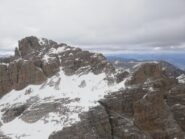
(95, 88)
(181, 79)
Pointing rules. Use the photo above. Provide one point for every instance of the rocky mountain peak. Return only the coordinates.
(28, 45)
(37, 59)
(143, 72)
(31, 45)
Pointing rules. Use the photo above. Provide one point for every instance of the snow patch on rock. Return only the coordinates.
(55, 88)
(181, 79)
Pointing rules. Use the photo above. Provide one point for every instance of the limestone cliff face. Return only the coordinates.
(37, 59)
(86, 97)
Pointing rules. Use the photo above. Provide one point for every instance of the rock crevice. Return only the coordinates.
(109, 118)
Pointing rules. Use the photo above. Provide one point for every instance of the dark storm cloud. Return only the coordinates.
(96, 24)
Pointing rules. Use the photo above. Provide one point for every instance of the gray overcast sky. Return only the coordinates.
(105, 25)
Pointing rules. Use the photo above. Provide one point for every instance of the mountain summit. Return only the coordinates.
(37, 59)
(55, 91)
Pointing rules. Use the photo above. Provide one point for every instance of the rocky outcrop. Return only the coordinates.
(175, 99)
(148, 71)
(170, 70)
(12, 113)
(121, 76)
(37, 59)
(152, 107)
(75, 61)
(28, 46)
(152, 115)
(18, 74)
(50, 68)
(39, 110)
(5, 82)
(95, 125)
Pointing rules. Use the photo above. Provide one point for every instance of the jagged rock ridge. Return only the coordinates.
(37, 59)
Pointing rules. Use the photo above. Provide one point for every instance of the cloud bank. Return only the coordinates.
(103, 25)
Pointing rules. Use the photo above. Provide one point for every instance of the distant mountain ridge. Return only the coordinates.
(177, 59)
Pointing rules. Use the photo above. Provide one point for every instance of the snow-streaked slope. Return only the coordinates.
(83, 90)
